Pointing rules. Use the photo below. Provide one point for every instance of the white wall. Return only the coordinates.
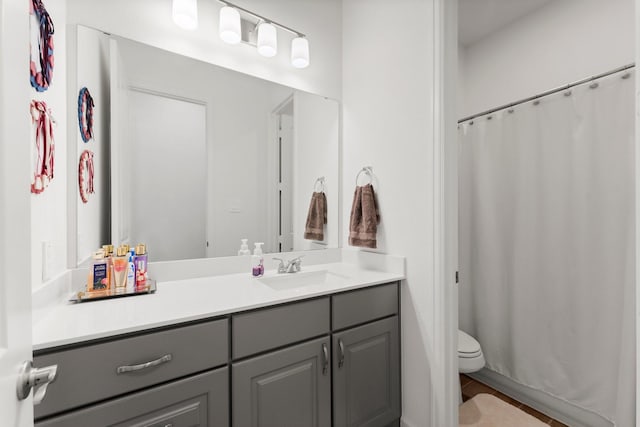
(150, 22)
(316, 145)
(388, 124)
(561, 42)
(49, 209)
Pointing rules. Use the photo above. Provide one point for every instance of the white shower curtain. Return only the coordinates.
(547, 244)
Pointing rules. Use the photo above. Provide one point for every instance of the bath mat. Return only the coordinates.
(485, 410)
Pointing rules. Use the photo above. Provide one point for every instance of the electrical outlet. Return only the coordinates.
(47, 260)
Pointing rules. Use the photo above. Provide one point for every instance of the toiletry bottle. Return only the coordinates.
(244, 248)
(140, 261)
(108, 254)
(97, 280)
(257, 261)
(120, 264)
(131, 271)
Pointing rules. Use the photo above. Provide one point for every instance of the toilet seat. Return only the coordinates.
(468, 347)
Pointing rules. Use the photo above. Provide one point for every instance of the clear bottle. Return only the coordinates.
(244, 248)
(120, 264)
(98, 279)
(257, 260)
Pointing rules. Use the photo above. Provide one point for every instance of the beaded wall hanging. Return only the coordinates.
(41, 49)
(85, 175)
(44, 148)
(85, 114)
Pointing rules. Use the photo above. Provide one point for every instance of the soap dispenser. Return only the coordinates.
(257, 261)
(244, 248)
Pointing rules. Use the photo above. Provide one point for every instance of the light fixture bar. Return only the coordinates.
(262, 18)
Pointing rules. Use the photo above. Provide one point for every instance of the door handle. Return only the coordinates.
(325, 359)
(35, 378)
(341, 356)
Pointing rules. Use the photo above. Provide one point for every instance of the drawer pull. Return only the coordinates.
(325, 359)
(164, 359)
(341, 358)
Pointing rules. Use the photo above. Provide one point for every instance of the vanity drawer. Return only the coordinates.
(364, 305)
(262, 330)
(99, 371)
(201, 400)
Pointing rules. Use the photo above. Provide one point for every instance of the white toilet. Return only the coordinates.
(470, 357)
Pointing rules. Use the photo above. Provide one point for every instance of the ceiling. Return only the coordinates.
(479, 18)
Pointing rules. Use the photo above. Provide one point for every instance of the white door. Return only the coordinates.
(15, 278)
(167, 184)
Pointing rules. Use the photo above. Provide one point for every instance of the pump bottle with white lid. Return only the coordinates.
(257, 261)
(244, 248)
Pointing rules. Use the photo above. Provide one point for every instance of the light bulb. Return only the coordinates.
(230, 30)
(185, 14)
(267, 40)
(300, 52)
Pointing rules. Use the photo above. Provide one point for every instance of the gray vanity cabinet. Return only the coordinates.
(366, 357)
(285, 388)
(330, 361)
(198, 401)
(366, 375)
(176, 376)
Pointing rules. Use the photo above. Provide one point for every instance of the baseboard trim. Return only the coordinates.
(556, 408)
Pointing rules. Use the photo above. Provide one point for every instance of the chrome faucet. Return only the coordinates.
(293, 265)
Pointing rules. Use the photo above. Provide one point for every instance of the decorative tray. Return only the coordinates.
(84, 296)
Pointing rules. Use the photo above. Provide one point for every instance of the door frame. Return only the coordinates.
(637, 204)
(272, 174)
(444, 401)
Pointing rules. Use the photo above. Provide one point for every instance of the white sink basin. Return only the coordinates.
(286, 281)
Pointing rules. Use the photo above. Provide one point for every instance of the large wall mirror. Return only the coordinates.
(190, 157)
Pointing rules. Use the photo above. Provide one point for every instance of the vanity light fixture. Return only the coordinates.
(267, 40)
(239, 24)
(185, 14)
(300, 52)
(230, 29)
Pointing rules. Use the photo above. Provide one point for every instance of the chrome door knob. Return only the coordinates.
(36, 378)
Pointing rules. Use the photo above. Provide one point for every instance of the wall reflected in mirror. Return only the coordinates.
(195, 157)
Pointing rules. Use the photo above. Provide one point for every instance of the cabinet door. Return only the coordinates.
(285, 388)
(197, 401)
(366, 375)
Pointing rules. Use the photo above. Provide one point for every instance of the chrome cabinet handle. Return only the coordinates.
(164, 359)
(325, 359)
(341, 358)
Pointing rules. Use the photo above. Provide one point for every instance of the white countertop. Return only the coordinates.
(177, 301)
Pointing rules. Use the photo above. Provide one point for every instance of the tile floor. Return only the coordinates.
(471, 387)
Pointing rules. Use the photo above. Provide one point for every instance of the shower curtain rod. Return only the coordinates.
(549, 92)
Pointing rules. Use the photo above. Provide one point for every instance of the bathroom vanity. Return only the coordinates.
(324, 354)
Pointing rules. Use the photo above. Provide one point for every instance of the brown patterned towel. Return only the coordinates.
(365, 218)
(316, 218)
